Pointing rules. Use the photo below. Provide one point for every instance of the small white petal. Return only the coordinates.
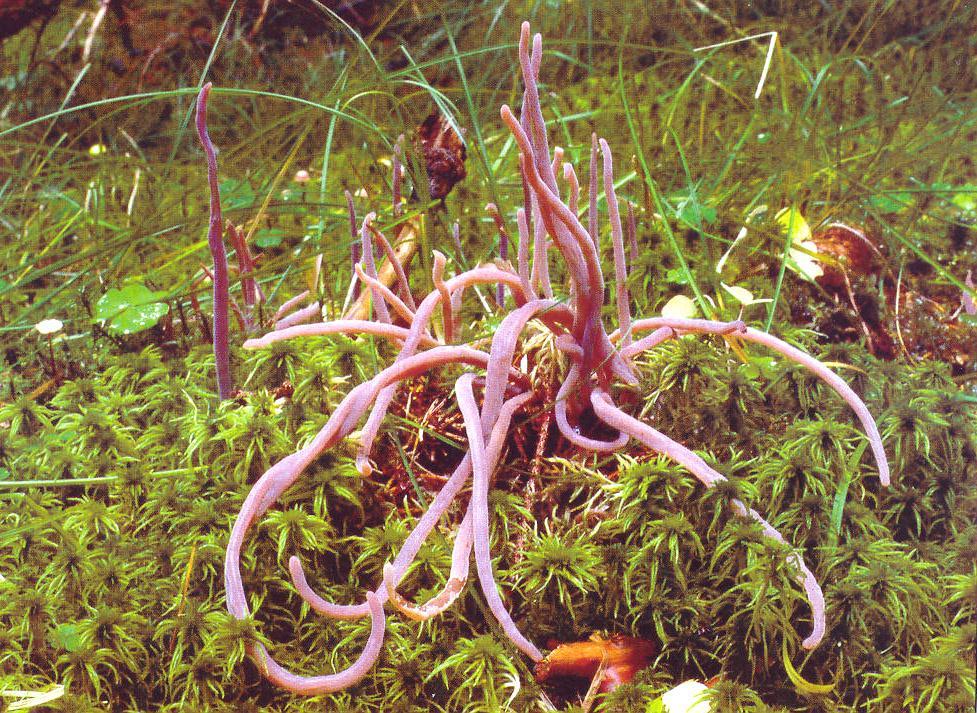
(740, 294)
(49, 326)
(687, 698)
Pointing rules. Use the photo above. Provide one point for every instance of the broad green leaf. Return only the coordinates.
(269, 237)
(692, 212)
(677, 276)
(132, 309)
(236, 194)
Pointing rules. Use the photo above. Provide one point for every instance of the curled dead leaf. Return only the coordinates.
(444, 154)
(621, 657)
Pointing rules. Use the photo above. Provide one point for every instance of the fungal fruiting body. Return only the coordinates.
(598, 361)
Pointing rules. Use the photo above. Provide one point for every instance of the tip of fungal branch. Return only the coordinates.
(376, 608)
(363, 466)
(884, 472)
(388, 577)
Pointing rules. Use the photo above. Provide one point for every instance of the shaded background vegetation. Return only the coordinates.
(119, 473)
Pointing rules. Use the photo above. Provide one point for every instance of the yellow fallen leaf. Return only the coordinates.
(679, 307)
(795, 224)
(743, 295)
(801, 254)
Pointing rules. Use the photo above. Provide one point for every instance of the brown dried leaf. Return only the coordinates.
(854, 254)
(444, 154)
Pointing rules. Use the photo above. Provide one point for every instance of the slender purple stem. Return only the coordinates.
(215, 241)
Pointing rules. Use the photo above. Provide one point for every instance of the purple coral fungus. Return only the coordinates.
(598, 361)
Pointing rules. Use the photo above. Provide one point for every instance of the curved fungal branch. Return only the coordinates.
(617, 242)
(464, 539)
(370, 268)
(349, 327)
(315, 685)
(343, 420)
(741, 331)
(461, 554)
(480, 480)
(387, 295)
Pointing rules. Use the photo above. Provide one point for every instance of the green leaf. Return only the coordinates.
(891, 201)
(67, 637)
(838, 504)
(132, 309)
(760, 366)
(691, 211)
(966, 199)
(800, 683)
(236, 194)
(269, 237)
(656, 706)
(677, 276)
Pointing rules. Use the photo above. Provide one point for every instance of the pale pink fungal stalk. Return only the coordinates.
(598, 361)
